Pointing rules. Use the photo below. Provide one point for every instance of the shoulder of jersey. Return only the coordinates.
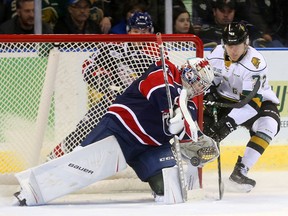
(254, 60)
(216, 53)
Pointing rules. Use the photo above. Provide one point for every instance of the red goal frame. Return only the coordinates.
(117, 38)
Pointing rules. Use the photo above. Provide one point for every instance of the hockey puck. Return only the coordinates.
(195, 161)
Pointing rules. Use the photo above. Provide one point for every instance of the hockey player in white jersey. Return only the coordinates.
(136, 130)
(237, 67)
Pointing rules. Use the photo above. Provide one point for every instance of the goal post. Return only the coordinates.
(46, 93)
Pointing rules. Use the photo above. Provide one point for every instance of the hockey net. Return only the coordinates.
(48, 103)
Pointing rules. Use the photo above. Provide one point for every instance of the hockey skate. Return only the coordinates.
(20, 200)
(27, 196)
(239, 177)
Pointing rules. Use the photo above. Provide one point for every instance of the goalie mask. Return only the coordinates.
(197, 76)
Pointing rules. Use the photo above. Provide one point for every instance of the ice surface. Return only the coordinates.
(268, 198)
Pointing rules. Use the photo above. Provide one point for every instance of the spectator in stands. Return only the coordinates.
(202, 11)
(23, 22)
(224, 13)
(97, 15)
(53, 10)
(283, 31)
(101, 13)
(181, 21)
(114, 12)
(2, 12)
(267, 17)
(156, 9)
(9, 9)
(129, 8)
(140, 23)
(243, 9)
(77, 20)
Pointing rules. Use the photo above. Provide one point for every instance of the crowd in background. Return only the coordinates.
(265, 19)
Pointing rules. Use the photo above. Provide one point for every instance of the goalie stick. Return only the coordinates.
(188, 121)
(170, 105)
(241, 103)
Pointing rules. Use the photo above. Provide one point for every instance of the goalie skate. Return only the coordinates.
(28, 195)
(24, 198)
(20, 200)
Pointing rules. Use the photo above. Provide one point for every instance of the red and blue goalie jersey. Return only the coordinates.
(141, 107)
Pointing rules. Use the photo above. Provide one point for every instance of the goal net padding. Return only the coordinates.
(45, 100)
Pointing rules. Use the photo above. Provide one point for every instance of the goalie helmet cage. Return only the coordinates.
(45, 93)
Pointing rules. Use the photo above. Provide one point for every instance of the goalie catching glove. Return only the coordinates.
(201, 152)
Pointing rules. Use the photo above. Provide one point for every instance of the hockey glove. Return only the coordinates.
(201, 152)
(222, 128)
(210, 97)
(211, 94)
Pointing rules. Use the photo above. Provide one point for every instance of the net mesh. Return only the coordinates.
(44, 112)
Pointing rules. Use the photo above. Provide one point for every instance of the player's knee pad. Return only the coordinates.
(265, 128)
(156, 183)
(266, 125)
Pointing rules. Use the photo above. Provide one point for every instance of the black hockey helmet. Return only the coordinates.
(235, 33)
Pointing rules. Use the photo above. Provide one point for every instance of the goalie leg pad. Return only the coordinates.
(172, 187)
(71, 172)
(170, 181)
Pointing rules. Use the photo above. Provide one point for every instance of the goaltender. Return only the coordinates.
(136, 130)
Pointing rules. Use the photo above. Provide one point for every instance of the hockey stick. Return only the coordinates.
(220, 182)
(188, 121)
(171, 114)
(241, 103)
